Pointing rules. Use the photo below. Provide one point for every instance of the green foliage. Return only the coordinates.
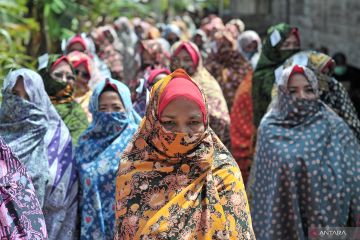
(15, 33)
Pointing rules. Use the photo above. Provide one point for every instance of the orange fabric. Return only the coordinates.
(242, 129)
(179, 186)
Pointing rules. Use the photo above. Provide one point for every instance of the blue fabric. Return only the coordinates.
(98, 156)
(306, 172)
(37, 135)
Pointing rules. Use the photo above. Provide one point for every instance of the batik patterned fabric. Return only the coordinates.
(61, 195)
(61, 95)
(332, 92)
(159, 57)
(98, 157)
(20, 212)
(242, 129)
(306, 170)
(218, 111)
(109, 48)
(177, 185)
(129, 40)
(23, 126)
(228, 66)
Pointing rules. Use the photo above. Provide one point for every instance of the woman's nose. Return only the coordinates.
(183, 129)
(302, 94)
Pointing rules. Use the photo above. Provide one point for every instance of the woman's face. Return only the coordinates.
(19, 89)
(109, 101)
(252, 47)
(82, 75)
(76, 47)
(198, 40)
(63, 72)
(146, 60)
(299, 87)
(183, 60)
(182, 116)
(290, 43)
(172, 38)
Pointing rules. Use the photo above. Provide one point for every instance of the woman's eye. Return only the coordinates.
(309, 90)
(169, 123)
(58, 75)
(194, 123)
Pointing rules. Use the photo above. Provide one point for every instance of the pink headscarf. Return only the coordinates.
(182, 86)
(76, 39)
(189, 48)
(154, 73)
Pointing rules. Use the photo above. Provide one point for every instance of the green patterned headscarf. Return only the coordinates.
(61, 95)
(271, 58)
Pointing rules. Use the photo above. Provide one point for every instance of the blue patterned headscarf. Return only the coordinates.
(37, 135)
(23, 126)
(306, 172)
(97, 156)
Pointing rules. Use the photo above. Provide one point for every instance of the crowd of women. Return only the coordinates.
(145, 130)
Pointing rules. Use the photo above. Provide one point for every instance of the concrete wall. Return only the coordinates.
(334, 24)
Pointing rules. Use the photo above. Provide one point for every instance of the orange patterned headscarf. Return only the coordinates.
(177, 185)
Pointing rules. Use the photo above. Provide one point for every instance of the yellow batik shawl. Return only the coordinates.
(177, 185)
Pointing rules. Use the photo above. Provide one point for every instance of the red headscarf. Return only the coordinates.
(76, 39)
(82, 61)
(297, 70)
(182, 86)
(154, 73)
(59, 60)
(192, 52)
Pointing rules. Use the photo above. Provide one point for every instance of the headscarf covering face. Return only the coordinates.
(97, 156)
(61, 95)
(174, 30)
(23, 125)
(245, 39)
(271, 58)
(109, 48)
(290, 108)
(78, 58)
(58, 90)
(182, 88)
(332, 93)
(228, 66)
(193, 52)
(218, 111)
(56, 159)
(20, 211)
(159, 56)
(164, 177)
(310, 156)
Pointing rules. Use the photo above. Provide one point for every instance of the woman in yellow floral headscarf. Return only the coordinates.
(176, 180)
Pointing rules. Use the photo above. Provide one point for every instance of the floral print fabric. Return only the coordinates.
(60, 199)
(306, 170)
(20, 212)
(97, 157)
(177, 185)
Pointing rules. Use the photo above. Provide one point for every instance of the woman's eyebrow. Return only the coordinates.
(168, 116)
(195, 116)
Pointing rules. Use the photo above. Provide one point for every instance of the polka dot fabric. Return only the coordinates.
(306, 171)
